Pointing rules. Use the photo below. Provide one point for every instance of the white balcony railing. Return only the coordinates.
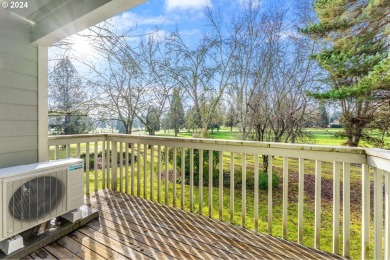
(145, 169)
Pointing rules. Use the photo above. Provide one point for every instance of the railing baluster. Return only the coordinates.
(365, 212)
(126, 167)
(57, 152)
(387, 215)
(174, 176)
(151, 172)
(103, 164)
(139, 170)
(346, 209)
(121, 166)
(132, 169)
(87, 167)
(256, 192)
(200, 181)
(210, 183)
(336, 207)
(220, 206)
(378, 213)
(183, 176)
(109, 164)
(166, 173)
(68, 151)
(145, 172)
(317, 205)
(269, 172)
(192, 180)
(78, 150)
(301, 195)
(114, 170)
(243, 190)
(285, 197)
(95, 166)
(159, 174)
(231, 187)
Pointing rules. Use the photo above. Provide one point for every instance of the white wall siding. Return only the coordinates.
(18, 94)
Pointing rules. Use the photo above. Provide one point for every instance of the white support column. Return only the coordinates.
(43, 143)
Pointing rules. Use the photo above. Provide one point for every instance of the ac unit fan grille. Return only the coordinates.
(36, 198)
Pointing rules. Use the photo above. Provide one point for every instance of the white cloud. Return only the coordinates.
(129, 19)
(156, 36)
(186, 4)
(245, 3)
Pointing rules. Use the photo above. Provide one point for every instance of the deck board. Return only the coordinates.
(133, 228)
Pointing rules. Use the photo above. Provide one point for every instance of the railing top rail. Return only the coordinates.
(308, 147)
(312, 152)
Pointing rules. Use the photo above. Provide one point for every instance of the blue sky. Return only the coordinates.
(186, 15)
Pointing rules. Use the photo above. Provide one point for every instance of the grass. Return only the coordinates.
(320, 136)
(326, 207)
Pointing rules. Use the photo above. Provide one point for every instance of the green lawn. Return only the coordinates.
(321, 136)
(326, 215)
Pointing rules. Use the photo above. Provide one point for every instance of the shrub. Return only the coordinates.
(250, 180)
(263, 180)
(196, 164)
(99, 162)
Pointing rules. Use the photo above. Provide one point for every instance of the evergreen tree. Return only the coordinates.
(231, 118)
(66, 100)
(176, 112)
(356, 58)
(323, 119)
(152, 121)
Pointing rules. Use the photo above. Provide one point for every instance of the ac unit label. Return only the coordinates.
(76, 167)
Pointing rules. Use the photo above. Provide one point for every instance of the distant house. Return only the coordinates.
(335, 124)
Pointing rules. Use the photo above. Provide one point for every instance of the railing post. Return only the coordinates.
(151, 172)
(256, 191)
(121, 166)
(210, 183)
(183, 176)
(145, 171)
(378, 213)
(220, 206)
(159, 175)
(269, 173)
(139, 170)
(103, 164)
(387, 215)
(166, 174)
(132, 169)
(200, 153)
(243, 190)
(301, 195)
(346, 209)
(68, 151)
(114, 171)
(317, 209)
(336, 207)
(192, 180)
(127, 167)
(95, 166)
(87, 167)
(285, 197)
(57, 152)
(365, 212)
(174, 176)
(231, 187)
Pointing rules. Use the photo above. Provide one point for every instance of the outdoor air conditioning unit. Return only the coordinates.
(33, 194)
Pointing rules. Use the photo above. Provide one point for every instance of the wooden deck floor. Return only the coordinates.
(134, 228)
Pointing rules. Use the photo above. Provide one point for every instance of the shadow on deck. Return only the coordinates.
(134, 228)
